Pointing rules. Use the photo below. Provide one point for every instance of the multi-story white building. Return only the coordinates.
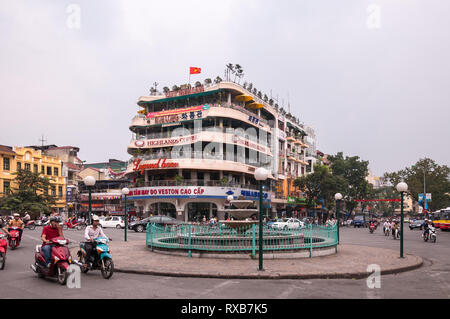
(194, 147)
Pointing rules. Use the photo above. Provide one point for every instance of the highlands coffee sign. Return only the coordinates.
(160, 164)
(166, 141)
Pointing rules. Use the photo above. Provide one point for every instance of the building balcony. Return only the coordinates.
(193, 182)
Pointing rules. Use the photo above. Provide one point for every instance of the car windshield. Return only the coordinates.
(359, 217)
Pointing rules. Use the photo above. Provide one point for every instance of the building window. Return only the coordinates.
(43, 170)
(55, 171)
(49, 170)
(6, 187)
(6, 165)
(27, 167)
(53, 190)
(19, 165)
(35, 168)
(60, 191)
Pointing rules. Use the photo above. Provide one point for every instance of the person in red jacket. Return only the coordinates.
(49, 232)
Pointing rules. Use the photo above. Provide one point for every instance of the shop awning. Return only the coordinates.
(255, 105)
(243, 98)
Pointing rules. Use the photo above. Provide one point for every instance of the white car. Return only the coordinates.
(288, 223)
(112, 221)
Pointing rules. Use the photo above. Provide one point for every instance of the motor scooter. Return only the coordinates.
(100, 258)
(431, 235)
(60, 261)
(371, 228)
(3, 249)
(30, 225)
(14, 237)
(387, 231)
(75, 225)
(396, 233)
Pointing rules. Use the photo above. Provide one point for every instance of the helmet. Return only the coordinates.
(95, 217)
(53, 219)
(16, 215)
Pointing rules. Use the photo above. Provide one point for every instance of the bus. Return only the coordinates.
(441, 219)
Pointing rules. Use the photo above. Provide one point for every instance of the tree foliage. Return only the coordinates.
(30, 195)
(354, 171)
(436, 181)
(320, 185)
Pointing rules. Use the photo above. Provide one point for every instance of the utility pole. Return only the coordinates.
(42, 140)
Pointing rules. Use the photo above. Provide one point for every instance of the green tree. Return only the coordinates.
(436, 181)
(208, 81)
(354, 171)
(30, 195)
(321, 184)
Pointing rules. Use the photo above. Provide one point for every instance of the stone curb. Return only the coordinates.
(355, 275)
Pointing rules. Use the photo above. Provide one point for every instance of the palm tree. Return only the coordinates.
(230, 68)
(245, 85)
(271, 102)
(175, 88)
(266, 98)
(250, 87)
(238, 71)
(260, 94)
(255, 91)
(197, 84)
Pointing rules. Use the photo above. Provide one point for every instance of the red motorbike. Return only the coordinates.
(31, 225)
(75, 225)
(3, 249)
(371, 228)
(60, 261)
(14, 237)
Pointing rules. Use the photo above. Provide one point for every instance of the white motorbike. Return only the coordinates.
(387, 231)
(396, 234)
(431, 235)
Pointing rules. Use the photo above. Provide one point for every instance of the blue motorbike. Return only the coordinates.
(100, 258)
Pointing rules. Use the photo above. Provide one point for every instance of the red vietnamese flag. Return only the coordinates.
(193, 70)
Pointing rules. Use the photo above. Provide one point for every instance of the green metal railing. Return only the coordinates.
(220, 238)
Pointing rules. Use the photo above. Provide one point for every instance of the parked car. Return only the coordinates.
(288, 223)
(416, 224)
(112, 221)
(140, 226)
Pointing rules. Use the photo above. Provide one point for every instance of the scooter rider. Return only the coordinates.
(93, 231)
(17, 222)
(49, 232)
(2, 227)
(426, 228)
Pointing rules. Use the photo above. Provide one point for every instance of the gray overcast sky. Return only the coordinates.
(374, 81)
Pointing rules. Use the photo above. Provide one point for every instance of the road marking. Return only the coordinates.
(223, 284)
(288, 291)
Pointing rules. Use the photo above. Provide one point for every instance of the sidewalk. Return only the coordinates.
(351, 261)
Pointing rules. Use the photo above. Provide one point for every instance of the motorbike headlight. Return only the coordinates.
(99, 250)
(62, 242)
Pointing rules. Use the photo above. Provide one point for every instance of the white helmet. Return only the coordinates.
(95, 217)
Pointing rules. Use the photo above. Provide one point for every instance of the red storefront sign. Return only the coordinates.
(185, 91)
(160, 164)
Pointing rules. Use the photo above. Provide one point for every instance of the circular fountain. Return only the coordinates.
(241, 213)
(239, 237)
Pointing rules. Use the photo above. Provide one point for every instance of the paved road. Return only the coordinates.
(430, 281)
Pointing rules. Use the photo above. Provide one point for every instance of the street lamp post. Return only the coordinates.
(89, 181)
(401, 188)
(125, 192)
(261, 174)
(337, 197)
